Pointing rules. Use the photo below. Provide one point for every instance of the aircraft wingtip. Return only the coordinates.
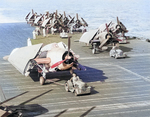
(6, 57)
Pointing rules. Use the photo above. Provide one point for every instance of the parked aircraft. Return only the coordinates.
(117, 28)
(104, 35)
(30, 17)
(49, 21)
(99, 40)
(49, 58)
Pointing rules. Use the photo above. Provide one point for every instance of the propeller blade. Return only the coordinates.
(118, 22)
(69, 42)
(77, 16)
(64, 14)
(107, 28)
(32, 11)
(124, 28)
(60, 16)
(58, 63)
(103, 42)
(84, 21)
(109, 24)
(27, 15)
(123, 33)
(56, 12)
(72, 20)
(118, 39)
(81, 67)
(70, 17)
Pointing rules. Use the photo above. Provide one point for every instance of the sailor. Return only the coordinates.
(34, 34)
(74, 78)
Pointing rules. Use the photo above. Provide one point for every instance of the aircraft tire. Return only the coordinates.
(66, 87)
(75, 93)
(42, 80)
(94, 51)
(116, 57)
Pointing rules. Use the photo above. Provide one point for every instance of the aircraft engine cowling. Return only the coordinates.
(55, 54)
(68, 61)
(59, 54)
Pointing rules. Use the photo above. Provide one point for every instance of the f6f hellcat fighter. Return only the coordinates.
(53, 57)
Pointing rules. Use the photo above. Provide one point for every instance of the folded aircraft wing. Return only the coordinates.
(87, 36)
(37, 19)
(45, 22)
(19, 57)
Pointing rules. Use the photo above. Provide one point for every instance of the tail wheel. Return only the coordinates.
(42, 80)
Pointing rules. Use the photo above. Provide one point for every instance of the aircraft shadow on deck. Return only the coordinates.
(27, 110)
(123, 48)
(30, 110)
(62, 75)
(90, 75)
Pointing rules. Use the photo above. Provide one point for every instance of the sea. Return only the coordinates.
(14, 31)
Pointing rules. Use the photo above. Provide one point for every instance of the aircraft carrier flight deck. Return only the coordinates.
(120, 87)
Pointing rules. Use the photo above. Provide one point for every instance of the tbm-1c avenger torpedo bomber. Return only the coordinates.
(53, 57)
(106, 34)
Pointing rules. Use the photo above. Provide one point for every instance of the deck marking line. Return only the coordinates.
(148, 80)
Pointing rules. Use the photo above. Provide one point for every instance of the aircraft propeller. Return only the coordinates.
(78, 22)
(77, 16)
(71, 21)
(59, 62)
(64, 14)
(85, 23)
(56, 14)
(107, 37)
(118, 22)
(32, 11)
(70, 17)
(69, 42)
(27, 15)
(121, 25)
(112, 35)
